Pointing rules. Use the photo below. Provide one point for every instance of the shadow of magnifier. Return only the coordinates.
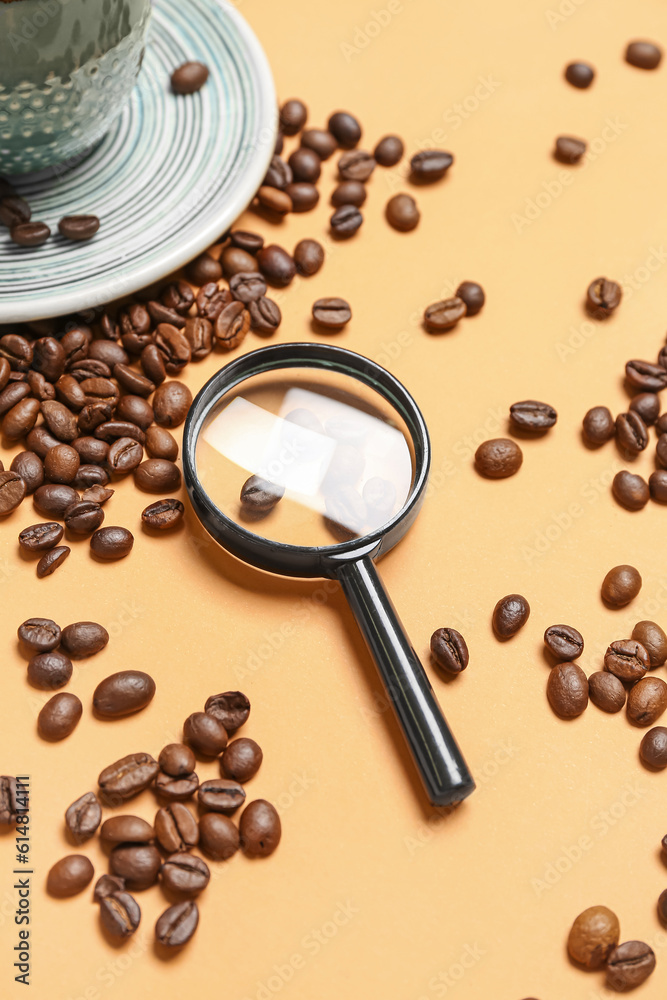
(337, 452)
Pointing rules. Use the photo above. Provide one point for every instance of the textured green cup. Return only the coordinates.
(67, 68)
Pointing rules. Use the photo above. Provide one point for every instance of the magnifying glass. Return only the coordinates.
(308, 460)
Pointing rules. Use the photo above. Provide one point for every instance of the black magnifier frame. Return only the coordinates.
(441, 765)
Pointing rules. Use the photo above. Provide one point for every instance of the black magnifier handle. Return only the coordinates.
(439, 761)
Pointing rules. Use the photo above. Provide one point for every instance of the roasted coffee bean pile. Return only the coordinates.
(593, 943)
(142, 854)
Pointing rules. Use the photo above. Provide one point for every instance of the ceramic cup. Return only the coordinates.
(67, 68)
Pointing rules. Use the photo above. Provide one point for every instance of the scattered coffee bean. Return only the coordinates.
(185, 874)
(564, 642)
(606, 691)
(84, 639)
(389, 151)
(14, 210)
(356, 165)
(231, 709)
(279, 174)
(661, 451)
(126, 830)
(50, 670)
(646, 376)
(69, 876)
(647, 405)
(83, 517)
(204, 734)
(568, 149)
(39, 634)
(138, 864)
(274, 200)
(260, 495)
(100, 494)
(643, 55)
(567, 690)
(630, 490)
(123, 693)
(603, 296)
(53, 500)
(157, 475)
(304, 196)
(176, 828)
(509, 615)
(13, 799)
(204, 269)
(61, 463)
(259, 829)
(449, 650)
(189, 78)
(627, 659)
(305, 165)
(163, 515)
(40, 537)
(345, 221)
(29, 467)
(176, 789)
(234, 259)
(59, 717)
(20, 419)
(293, 116)
(654, 641)
(430, 165)
(579, 74)
(176, 925)
(241, 760)
(308, 257)
(78, 227)
(276, 265)
(472, 295)
(443, 315)
(30, 234)
(319, 140)
(647, 700)
(345, 129)
(621, 585)
(111, 542)
(653, 748)
(498, 458)
(127, 776)
(250, 242)
(632, 962)
(177, 760)
(12, 492)
(631, 433)
(265, 315)
(83, 817)
(51, 560)
(593, 937)
(120, 914)
(349, 193)
(218, 836)
(332, 313)
(402, 212)
(220, 795)
(232, 325)
(531, 415)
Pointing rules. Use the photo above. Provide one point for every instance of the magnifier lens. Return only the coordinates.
(306, 457)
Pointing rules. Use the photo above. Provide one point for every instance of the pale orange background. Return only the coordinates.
(413, 892)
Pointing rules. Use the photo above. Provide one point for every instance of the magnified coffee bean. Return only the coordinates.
(123, 693)
(50, 671)
(120, 914)
(261, 495)
(83, 817)
(449, 650)
(627, 659)
(138, 864)
(176, 828)
(221, 795)
(69, 876)
(231, 709)
(177, 925)
(176, 789)
(241, 760)
(59, 717)
(39, 634)
(259, 829)
(185, 874)
(564, 642)
(128, 776)
(346, 509)
(40, 537)
(177, 760)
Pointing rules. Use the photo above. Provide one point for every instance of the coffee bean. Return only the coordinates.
(14, 210)
(279, 174)
(305, 165)
(126, 830)
(20, 419)
(69, 876)
(509, 615)
(17, 351)
(177, 760)
(61, 464)
(78, 227)
(276, 265)
(39, 634)
(355, 165)
(645, 376)
(106, 885)
(204, 734)
(626, 659)
(83, 817)
(84, 517)
(60, 421)
(39, 441)
(606, 691)
(449, 650)
(84, 639)
(647, 405)
(161, 444)
(100, 494)
(235, 260)
(69, 392)
(320, 141)
(598, 425)
(643, 55)
(177, 924)
(204, 269)
(430, 165)
(345, 221)
(654, 641)
(92, 416)
(13, 394)
(111, 430)
(218, 836)
(103, 352)
(567, 690)
(90, 475)
(185, 874)
(349, 193)
(136, 409)
(231, 709)
(593, 937)
(402, 212)
(274, 200)
(498, 458)
(127, 776)
(293, 115)
(443, 315)
(621, 585)
(176, 789)
(13, 799)
(48, 358)
(332, 313)
(12, 492)
(631, 433)
(30, 234)
(52, 500)
(51, 560)
(157, 475)
(120, 914)
(176, 828)
(241, 760)
(232, 326)
(564, 642)
(111, 542)
(247, 287)
(304, 196)
(647, 701)
(178, 296)
(123, 693)
(250, 242)
(199, 334)
(59, 717)
(530, 415)
(124, 456)
(569, 149)
(389, 151)
(631, 963)
(653, 748)
(50, 670)
(662, 906)
(603, 296)
(189, 78)
(259, 829)
(41, 389)
(345, 129)
(260, 495)
(163, 514)
(265, 315)
(630, 490)
(661, 451)
(211, 300)
(220, 795)
(138, 864)
(579, 74)
(308, 257)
